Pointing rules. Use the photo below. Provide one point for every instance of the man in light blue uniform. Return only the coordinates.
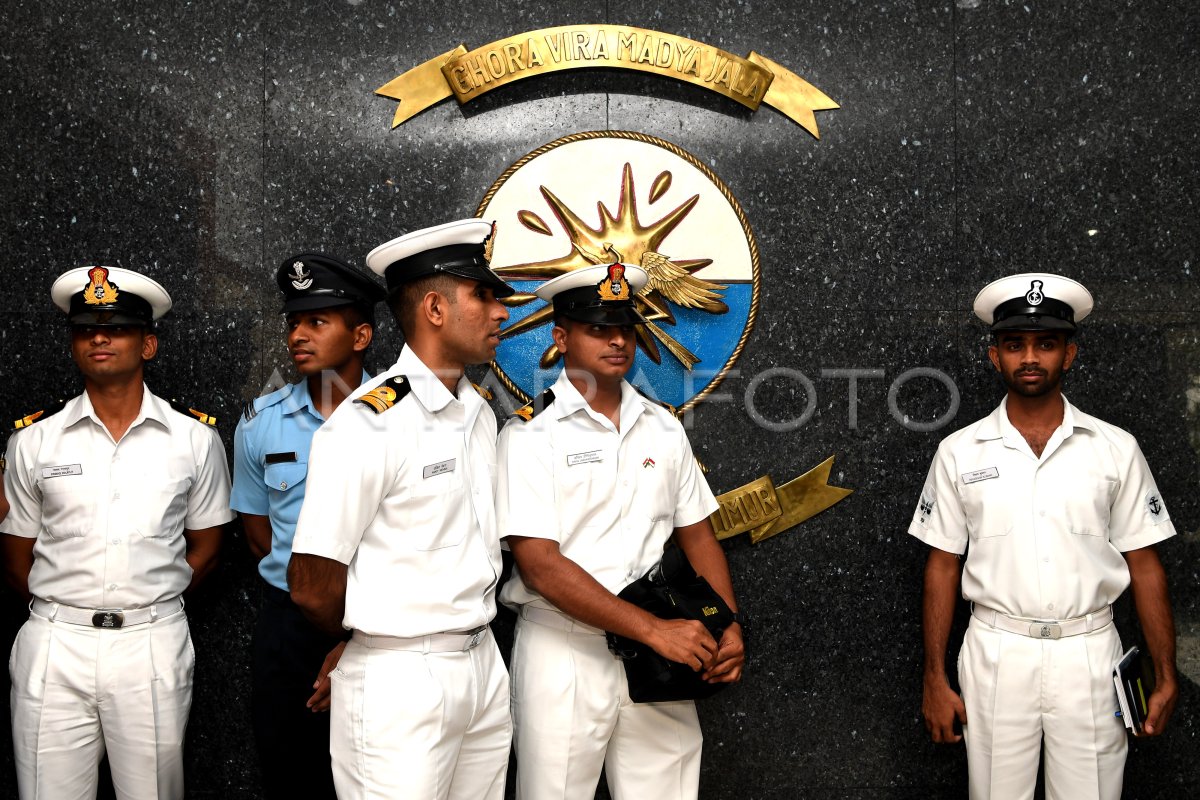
(330, 319)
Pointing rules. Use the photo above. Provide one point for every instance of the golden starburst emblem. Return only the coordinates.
(622, 236)
(657, 207)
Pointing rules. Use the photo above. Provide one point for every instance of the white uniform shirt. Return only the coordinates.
(610, 498)
(109, 516)
(1045, 535)
(405, 497)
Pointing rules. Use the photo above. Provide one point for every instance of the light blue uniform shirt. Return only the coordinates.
(270, 463)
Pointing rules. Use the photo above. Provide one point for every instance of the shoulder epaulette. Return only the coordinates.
(188, 411)
(252, 407)
(386, 394)
(48, 411)
(484, 393)
(657, 402)
(536, 406)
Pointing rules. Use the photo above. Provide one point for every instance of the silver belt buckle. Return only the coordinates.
(1045, 630)
(108, 619)
(476, 637)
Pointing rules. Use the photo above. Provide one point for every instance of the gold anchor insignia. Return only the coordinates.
(99, 292)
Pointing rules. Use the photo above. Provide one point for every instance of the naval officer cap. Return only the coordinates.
(599, 295)
(1033, 301)
(314, 280)
(455, 248)
(109, 296)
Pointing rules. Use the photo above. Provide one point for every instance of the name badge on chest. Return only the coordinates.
(977, 475)
(590, 457)
(60, 471)
(440, 468)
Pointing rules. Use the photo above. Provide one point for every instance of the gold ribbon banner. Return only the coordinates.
(764, 510)
(467, 75)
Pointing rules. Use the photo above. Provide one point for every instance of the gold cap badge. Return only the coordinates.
(99, 292)
(614, 286)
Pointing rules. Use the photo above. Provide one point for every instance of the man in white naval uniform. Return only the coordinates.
(1057, 513)
(595, 479)
(397, 539)
(118, 499)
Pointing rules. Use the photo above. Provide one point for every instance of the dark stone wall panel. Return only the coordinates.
(1076, 146)
(205, 142)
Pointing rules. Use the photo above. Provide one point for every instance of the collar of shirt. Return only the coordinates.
(998, 426)
(429, 389)
(568, 400)
(152, 408)
(300, 399)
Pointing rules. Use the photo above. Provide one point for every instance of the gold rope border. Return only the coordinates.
(644, 138)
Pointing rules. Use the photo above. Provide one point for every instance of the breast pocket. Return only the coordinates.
(1087, 507)
(439, 513)
(988, 509)
(68, 506)
(159, 508)
(285, 477)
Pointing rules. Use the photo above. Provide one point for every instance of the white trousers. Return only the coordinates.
(573, 716)
(420, 726)
(78, 692)
(1026, 695)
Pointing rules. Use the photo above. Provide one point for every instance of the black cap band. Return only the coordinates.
(129, 309)
(584, 305)
(1019, 314)
(454, 259)
(460, 260)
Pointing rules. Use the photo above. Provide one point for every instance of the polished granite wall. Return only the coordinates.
(203, 141)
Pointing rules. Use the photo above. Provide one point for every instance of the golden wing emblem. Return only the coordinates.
(681, 287)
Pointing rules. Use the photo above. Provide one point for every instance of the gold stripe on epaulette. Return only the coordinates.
(380, 399)
(207, 419)
(24, 422)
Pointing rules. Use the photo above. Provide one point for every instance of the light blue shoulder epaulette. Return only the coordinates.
(252, 407)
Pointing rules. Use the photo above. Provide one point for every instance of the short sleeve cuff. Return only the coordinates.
(529, 533)
(249, 503)
(955, 545)
(198, 522)
(1151, 534)
(695, 512)
(335, 551)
